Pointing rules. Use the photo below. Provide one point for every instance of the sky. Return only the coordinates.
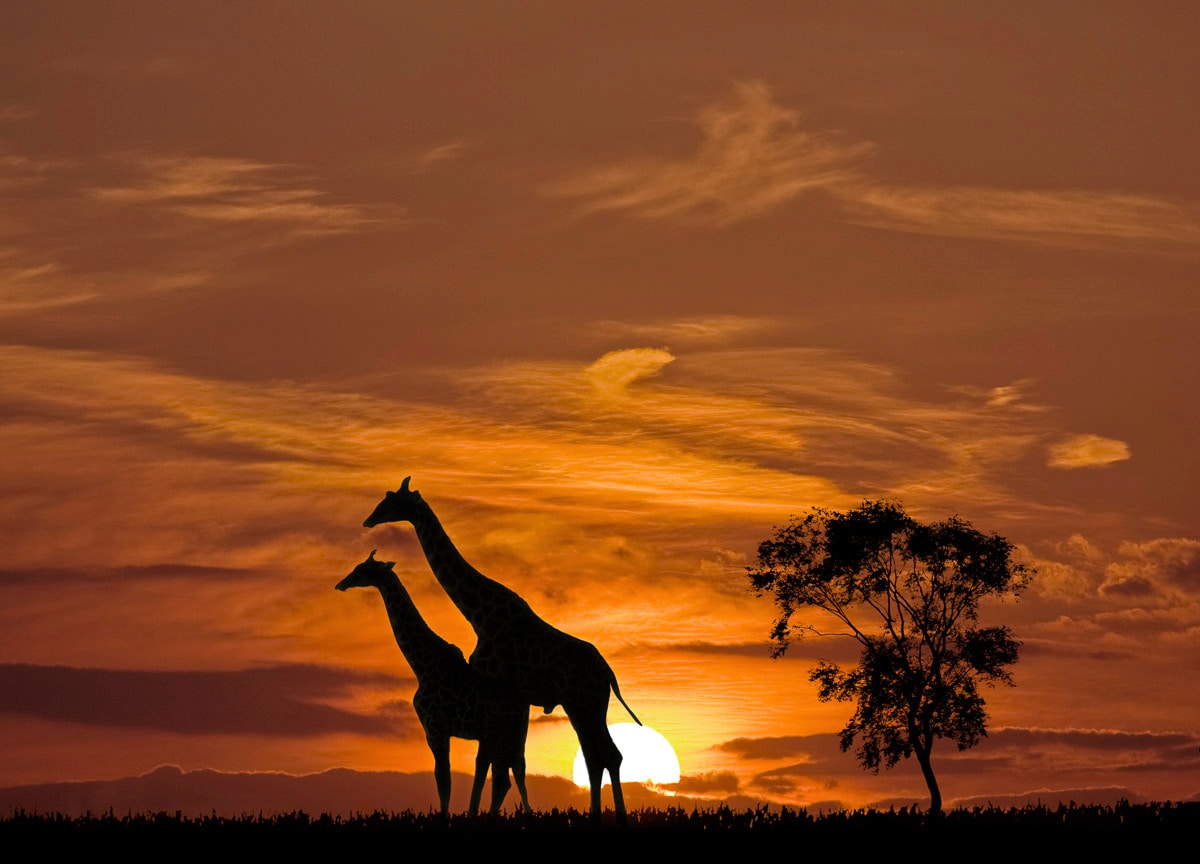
(622, 287)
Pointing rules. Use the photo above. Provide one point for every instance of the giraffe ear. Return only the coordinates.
(389, 564)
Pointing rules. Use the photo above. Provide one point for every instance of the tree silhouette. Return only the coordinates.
(909, 593)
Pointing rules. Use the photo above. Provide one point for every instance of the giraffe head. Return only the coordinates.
(368, 574)
(395, 507)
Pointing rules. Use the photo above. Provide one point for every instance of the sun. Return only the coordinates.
(648, 757)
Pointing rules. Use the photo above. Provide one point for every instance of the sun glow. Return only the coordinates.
(648, 757)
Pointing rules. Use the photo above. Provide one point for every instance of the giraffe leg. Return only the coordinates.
(600, 753)
(518, 770)
(595, 770)
(482, 761)
(500, 786)
(614, 771)
(441, 769)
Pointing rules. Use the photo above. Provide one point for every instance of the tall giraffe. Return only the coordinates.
(545, 666)
(452, 699)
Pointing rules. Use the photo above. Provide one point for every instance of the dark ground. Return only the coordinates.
(989, 834)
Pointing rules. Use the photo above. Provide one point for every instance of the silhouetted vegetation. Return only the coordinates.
(988, 831)
(909, 594)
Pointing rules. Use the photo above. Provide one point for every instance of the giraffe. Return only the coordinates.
(545, 666)
(452, 699)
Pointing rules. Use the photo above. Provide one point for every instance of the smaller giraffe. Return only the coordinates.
(452, 699)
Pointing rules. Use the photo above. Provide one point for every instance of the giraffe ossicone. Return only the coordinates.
(452, 699)
(543, 665)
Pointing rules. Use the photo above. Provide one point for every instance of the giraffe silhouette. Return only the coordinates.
(452, 699)
(544, 666)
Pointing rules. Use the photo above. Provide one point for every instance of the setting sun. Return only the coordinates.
(648, 757)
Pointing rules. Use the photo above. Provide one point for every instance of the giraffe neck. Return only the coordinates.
(422, 648)
(481, 600)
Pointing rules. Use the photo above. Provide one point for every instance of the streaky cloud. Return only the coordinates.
(134, 572)
(1072, 218)
(238, 190)
(690, 332)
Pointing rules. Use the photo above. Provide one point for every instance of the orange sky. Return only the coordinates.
(622, 286)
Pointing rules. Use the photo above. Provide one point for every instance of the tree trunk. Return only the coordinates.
(935, 794)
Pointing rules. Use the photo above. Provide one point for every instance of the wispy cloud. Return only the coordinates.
(743, 431)
(18, 170)
(442, 153)
(1055, 217)
(707, 331)
(753, 157)
(15, 112)
(37, 284)
(240, 190)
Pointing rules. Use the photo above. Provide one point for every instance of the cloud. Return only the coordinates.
(712, 782)
(616, 370)
(729, 439)
(813, 648)
(1081, 753)
(18, 170)
(760, 650)
(801, 411)
(1160, 576)
(278, 701)
(1086, 451)
(1074, 628)
(14, 113)
(1094, 739)
(1011, 395)
(752, 158)
(1080, 548)
(780, 746)
(1063, 581)
(36, 284)
(441, 153)
(236, 190)
(1056, 218)
(1165, 564)
(63, 576)
(690, 332)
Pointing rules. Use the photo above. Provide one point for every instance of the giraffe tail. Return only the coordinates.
(621, 699)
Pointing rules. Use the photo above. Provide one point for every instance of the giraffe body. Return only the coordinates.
(453, 700)
(542, 665)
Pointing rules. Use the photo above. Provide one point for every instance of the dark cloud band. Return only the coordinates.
(277, 701)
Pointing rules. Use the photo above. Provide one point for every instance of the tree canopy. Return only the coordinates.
(909, 593)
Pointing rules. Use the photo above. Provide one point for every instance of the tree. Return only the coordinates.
(909, 593)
